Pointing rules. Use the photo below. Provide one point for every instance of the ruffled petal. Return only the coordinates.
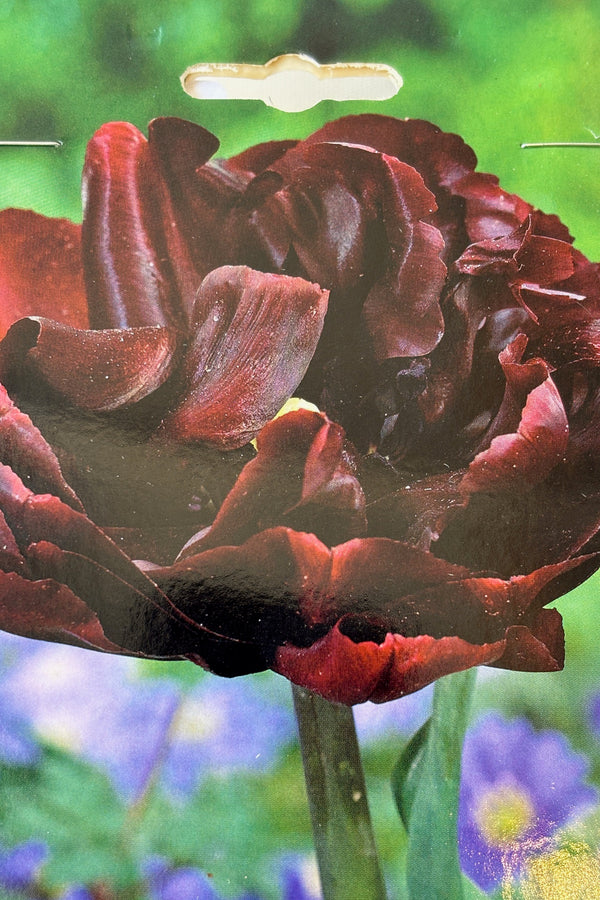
(94, 370)
(537, 648)
(301, 477)
(194, 201)
(49, 611)
(522, 459)
(345, 671)
(40, 269)
(254, 337)
(402, 309)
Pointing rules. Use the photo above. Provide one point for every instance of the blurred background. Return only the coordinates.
(122, 779)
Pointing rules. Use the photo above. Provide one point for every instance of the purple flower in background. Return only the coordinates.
(594, 714)
(18, 746)
(300, 879)
(88, 704)
(221, 727)
(518, 787)
(20, 865)
(135, 728)
(77, 892)
(168, 882)
(405, 715)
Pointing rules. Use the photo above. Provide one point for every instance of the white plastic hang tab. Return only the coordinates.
(292, 82)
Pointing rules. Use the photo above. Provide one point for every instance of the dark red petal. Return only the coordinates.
(301, 471)
(402, 310)
(253, 593)
(97, 370)
(127, 275)
(538, 648)
(522, 256)
(11, 559)
(522, 459)
(545, 261)
(490, 211)
(193, 202)
(441, 158)
(419, 512)
(347, 672)
(23, 448)
(255, 335)
(50, 612)
(259, 157)
(137, 622)
(378, 577)
(42, 517)
(40, 269)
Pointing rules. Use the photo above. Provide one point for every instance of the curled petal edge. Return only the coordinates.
(346, 672)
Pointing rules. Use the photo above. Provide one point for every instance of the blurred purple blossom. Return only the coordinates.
(518, 787)
(298, 878)
(17, 742)
(404, 716)
(223, 726)
(593, 710)
(77, 892)
(20, 865)
(101, 708)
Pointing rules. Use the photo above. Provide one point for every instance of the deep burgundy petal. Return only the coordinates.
(348, 670)
(135, 621)
(49, 611)
(538, 648)
(127, 273)
(522, 256)
(344, 671)
(521, 459)
(194, 201)
(259, 157)
(24, 449)
(402, 310)
(441, 158)
(254, 337)
(301, 476)
(490, 211)
(96, 370)
(40, 269)
(418, 512)
(253, 593)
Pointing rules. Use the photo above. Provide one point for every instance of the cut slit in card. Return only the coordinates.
(291, 82)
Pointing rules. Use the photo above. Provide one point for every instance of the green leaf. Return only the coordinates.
(405, 775)
(426, 785)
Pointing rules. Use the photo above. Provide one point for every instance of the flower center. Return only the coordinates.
(197, 721)
(504, 814)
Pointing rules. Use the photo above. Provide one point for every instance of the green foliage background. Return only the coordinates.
(498, 74)
(496, 78)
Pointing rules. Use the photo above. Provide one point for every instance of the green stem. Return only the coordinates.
(337, 797)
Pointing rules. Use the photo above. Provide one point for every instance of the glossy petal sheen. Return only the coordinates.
(254, 336)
